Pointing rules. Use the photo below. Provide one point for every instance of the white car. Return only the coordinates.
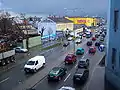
(66, 88)
(70, 38)
(34, 64)
(20, 50)
(78, 41)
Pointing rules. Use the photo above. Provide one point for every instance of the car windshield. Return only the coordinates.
(54, 71)
(30, 62)
(91, 48)
(81, 62)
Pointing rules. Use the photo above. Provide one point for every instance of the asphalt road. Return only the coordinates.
(67, 80)
(16, 76)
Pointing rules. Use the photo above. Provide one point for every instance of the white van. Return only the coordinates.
(34, 64)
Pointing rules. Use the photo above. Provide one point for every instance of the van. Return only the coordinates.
(34, 64)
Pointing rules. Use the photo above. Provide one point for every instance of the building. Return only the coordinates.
(83, 21)
(62, 23)
(47, 28)
(112, 67)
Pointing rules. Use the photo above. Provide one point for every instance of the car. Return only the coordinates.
(84, 35)
(89, 43)
(80, 76)
(80, 51)
(97, 44)
(57, 73)
(83, 63)
(34, 64)
(96, 35)
(66, 44)
(70, 39)
(20, 50)
(92, 50)
(70, 58)
(103, 35)
(101, 39)
(93, 39)
(101, 47)
(78, 41)
(66, 88)
(96, 31)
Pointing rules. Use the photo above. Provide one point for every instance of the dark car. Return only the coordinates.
(66, 44)
(96, 36)
(57, 73)
(97, 44)
(89, 43)
(103, 35)
(70, 58)
(92, 50)
(102, 39)
(83, 63)
(80, 76)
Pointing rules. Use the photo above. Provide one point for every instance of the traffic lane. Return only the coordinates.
(17, 76)
(94, 60)
(20, 74)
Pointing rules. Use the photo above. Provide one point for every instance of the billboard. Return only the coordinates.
(47, 29)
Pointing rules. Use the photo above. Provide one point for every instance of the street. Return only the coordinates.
(16, 79)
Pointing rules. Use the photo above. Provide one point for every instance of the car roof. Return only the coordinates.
(35, 58)
(83, 59)
(56, 68)
(79, 48)
(81, 70)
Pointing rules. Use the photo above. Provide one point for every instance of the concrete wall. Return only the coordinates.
(113, 75)
(34, 41)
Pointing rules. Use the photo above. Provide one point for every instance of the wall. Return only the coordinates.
(113, 75)
(64, 26)
(86, 21)
(34, 41)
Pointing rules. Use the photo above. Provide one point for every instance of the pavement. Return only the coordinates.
(16, 79)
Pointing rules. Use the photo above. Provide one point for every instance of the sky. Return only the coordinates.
(59, 7)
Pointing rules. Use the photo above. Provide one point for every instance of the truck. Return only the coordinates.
(7, 57)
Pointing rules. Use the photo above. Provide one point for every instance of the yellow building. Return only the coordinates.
(62, 23)
(83, 20)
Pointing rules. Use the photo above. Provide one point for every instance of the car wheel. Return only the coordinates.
(59, 78)
(43, 64)
(35, 70)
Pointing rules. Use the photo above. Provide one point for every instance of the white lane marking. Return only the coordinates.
(76, 66)
(67, 77)
(4, 80)
(83, 56)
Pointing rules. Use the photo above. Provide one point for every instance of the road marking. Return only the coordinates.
(4, 80)
(76, 66)
(83, 56)
(67, 77)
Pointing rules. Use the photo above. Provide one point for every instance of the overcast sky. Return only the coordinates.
(69, 7)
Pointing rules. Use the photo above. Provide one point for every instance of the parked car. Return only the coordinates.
(34, 64)
(20, 50)
(70, 39)
(66, 88)
(83, 63)
(70, 58)
(80, 51)
(80, 76)
(101, 47)
(92, 49)
(84, 35)
(57, 73)
(78, 41)
(93, 39)
(66, 44)
(97, 44)
(101, 39)
(89, 43)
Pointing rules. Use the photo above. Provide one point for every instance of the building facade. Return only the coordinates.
(62, 24)
(112, 67)
(83, 21)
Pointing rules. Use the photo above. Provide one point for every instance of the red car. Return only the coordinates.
(70, 58)
(92, 49)
(93, 39)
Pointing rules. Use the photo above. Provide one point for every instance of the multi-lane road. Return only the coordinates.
(16, 79)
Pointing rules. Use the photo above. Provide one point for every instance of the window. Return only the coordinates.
(114, 51)
(116, 16)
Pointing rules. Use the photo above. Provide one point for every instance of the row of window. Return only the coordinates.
(116, 18)
(113, 58)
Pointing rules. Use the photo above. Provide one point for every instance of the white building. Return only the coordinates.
(112, 69)
(49, 27)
